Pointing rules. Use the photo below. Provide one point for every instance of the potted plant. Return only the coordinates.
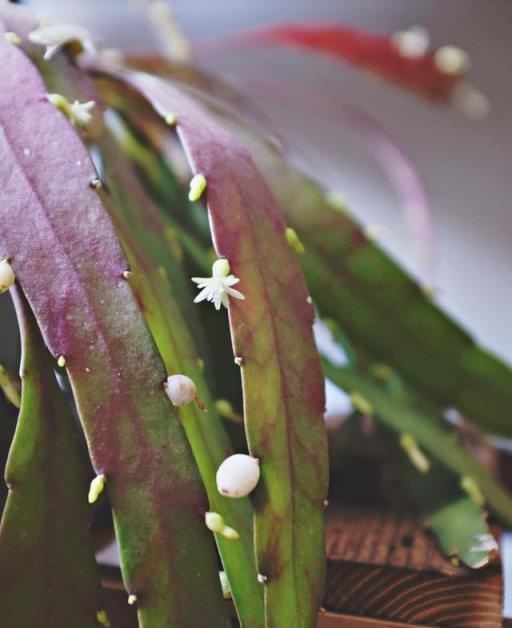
(118, 175)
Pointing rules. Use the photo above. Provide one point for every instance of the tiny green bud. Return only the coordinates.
(382, 372)
(429, 291)
(7, 275)
(96, 488)
(220, 268)
(8, 386)
(61, 361)
(197, 187)
(12, 38)
(374, 232)
(59, 102)
(336, 200)
(361, 404)
(77, 113)
(102, 619)
(469, 485)
(293, 240)
(224, 583)
(229, 533)
(224, 408)
(214, 522)
(416, 456)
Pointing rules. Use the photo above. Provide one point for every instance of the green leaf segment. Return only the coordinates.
(48, 576)
(273, 343)
(157, 285)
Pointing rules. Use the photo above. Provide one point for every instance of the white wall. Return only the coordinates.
(465, 165)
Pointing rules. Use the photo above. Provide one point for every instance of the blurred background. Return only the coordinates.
(464, 164)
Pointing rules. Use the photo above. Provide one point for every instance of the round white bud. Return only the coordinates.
(180, 389)
(7, 276)
(214, 522)
(238, 475)
(452, 60)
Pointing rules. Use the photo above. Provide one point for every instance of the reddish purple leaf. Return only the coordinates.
(366, 51)
(69, 262)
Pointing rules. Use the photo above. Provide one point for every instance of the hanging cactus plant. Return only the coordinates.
(107, 248)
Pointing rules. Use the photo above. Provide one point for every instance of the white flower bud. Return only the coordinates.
(7, 276)
(230, 533)
(180, 389)
(452, 60)
(214, 522)
(238, 475)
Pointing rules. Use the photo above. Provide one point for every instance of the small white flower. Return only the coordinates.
(53, 36)
(218, 288)
(78, 113)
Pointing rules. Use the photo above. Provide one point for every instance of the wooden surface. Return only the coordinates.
(335, 620)
(385, 538)
(384, 565)
(123, 616)
(384, 571)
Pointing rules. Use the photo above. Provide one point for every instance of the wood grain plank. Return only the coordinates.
(384, 565)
